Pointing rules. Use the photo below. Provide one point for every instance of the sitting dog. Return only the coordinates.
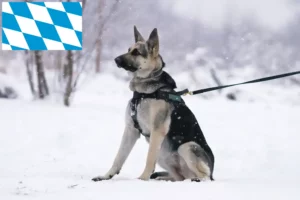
(157, 112)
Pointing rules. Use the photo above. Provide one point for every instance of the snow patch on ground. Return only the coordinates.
(48, 151)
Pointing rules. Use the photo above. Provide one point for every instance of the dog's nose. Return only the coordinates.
(118, 61)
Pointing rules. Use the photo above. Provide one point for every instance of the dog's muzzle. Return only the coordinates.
(118, 61)
(121, 64)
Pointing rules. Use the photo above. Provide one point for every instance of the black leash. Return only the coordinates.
(174, 97)
(186, 91)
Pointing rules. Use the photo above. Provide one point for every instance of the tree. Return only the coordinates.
(29, 70)
(104, 19)
(69, 77)
(43, 90)
(99, 40)
(68, 71)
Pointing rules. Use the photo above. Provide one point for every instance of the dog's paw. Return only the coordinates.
(101, 178)
(158, 174)
(196, 180)
(155, 175)
(144, 178)
(162, 178)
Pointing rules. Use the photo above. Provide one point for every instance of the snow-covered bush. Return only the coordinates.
(7, 89)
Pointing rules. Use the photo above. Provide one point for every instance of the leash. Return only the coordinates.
(175, 98)
(201, 91)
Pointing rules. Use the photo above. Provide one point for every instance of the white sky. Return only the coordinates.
(269, 13)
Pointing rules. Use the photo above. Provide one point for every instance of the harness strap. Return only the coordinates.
(171, 97)
(133, 105)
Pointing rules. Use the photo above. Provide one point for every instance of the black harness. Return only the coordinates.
(171, 97)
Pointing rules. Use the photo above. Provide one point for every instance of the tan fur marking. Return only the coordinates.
(156, 138)
(159, 106)
(196, 166)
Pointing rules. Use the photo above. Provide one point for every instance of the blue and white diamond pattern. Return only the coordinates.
(42, 26)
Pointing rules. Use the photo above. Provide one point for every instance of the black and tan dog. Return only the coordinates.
(175, 139)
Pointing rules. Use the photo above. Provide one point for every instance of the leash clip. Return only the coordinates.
(188, 93)
(184, 92)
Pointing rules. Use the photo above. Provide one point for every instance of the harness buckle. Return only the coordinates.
(133, 109)
(132, 113)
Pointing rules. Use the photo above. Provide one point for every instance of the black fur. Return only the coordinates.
(167, 80)
(185, 128)
(163, 63)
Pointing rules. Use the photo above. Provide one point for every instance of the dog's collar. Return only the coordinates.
(153, 84)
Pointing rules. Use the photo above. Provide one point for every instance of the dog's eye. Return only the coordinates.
(135, 52)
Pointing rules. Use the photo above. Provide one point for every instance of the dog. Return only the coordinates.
(175, 139)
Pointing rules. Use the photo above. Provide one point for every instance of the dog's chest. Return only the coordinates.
(152, 113)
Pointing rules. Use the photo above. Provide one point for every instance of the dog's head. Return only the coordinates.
(143, 57)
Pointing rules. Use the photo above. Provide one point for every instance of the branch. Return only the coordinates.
(102, 29)
(105, 21)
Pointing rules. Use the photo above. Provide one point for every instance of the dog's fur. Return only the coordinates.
(176, 141)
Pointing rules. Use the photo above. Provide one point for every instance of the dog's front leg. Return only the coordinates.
(129, 139)
(156, 139)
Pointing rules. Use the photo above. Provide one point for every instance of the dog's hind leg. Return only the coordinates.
(196, 160)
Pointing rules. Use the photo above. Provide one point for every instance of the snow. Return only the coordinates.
(51, 152)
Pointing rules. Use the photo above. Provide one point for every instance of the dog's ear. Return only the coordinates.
(137, 36)
(153, 43)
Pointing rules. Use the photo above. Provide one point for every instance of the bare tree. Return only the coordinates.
(29, 70)
(99, 40)
(104, 21)
(69, 75)
(42, 83)
(68, 72)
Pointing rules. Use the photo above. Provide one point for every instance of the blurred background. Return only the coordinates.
(203, 42)
(62, 112)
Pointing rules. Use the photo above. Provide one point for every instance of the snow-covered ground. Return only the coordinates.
(51, 152)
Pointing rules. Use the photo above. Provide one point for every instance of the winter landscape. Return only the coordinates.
(59, 128)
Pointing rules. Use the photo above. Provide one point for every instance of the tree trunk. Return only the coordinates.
(98, 56)
(99, 41)
(59, 66)
(29, 62)
(42, 83)
(69, 75)
(30, 72)
(45, 84)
